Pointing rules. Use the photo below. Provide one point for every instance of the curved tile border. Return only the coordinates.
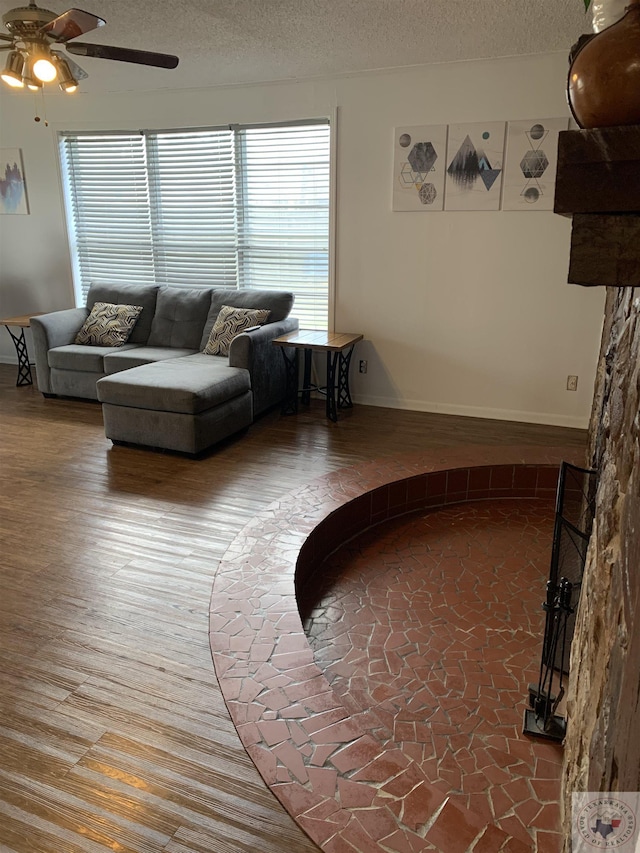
(332, 776)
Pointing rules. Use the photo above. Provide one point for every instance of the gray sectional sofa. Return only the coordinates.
(159, 389)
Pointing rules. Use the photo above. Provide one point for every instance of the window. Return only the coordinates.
(223, 207)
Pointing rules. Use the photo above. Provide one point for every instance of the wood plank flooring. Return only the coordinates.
(113, 732)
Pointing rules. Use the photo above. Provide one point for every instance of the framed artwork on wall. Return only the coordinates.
(531, 162)
(419, 155)
(474, 167)
(13, 191)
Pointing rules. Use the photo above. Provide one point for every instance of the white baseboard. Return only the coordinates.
(546, 418)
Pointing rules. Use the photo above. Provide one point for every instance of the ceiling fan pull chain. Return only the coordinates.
(44, 108)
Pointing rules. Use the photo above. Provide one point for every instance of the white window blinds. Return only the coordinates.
(231, 207)
(192, 208)
(283, 214)
(109, 195)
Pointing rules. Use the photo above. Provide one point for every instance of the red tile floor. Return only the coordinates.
(428, 629)
(396, 725)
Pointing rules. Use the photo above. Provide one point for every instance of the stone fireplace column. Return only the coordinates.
(599, 182)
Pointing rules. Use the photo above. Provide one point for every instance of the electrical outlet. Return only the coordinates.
(572, 383)
(363, 365)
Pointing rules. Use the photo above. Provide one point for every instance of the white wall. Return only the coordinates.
(463, 312)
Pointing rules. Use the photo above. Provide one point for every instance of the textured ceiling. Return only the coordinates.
(222, 42)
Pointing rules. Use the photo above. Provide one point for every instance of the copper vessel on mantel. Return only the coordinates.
(604, 77)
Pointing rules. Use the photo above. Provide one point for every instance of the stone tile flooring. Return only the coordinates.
(436, 763)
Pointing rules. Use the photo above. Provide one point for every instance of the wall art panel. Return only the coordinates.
(530, 167)
(13, 192)
(475, 158)
(419, 156)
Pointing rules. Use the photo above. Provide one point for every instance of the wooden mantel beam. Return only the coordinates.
(598, 184)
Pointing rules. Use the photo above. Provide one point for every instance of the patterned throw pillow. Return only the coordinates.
(229, 323)
(108, 325)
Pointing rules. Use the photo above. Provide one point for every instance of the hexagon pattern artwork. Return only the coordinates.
(533, 164)
(422, 157)
(418, 171)
(530, 169)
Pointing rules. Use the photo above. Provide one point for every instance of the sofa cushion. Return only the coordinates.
(180, 316)
(278, 302)
(187, 385)
(128, 294)
(114, 362)
(81, 357)
(229, 324)
(108, 325)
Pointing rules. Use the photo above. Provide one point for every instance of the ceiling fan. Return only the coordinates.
(33, 34)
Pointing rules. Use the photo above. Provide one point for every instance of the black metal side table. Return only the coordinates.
(22, 323)
(338, 347)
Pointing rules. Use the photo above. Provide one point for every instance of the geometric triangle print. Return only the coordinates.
(489, 176)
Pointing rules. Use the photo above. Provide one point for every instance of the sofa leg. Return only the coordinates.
(49, 396)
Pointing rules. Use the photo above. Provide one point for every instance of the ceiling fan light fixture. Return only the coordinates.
(12, 74)
(35, 32)
(66, 80)
(29, 78)
(44, 69)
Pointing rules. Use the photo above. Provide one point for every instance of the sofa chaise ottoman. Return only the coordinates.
(160, 389)
(184, 404)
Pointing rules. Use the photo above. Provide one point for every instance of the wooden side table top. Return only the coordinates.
(318, 340)
(24, 321)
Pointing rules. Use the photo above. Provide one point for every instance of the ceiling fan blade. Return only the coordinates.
(72, 23)
(123, 54)
(6, 38)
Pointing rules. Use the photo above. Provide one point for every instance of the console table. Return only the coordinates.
(22, 323)
(339, 348)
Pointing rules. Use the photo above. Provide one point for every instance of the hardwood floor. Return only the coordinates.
(113, 734)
